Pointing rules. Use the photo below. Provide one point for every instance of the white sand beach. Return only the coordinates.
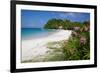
(37, 47)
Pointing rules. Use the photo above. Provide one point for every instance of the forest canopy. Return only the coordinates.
(64, 24)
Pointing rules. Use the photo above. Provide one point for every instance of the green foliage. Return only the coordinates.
(64, 24)
(74, 50)
(53, 23)
(71, 49)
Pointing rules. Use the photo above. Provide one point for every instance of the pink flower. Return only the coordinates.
(83, 40)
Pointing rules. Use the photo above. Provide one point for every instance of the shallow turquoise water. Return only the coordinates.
(28, 33)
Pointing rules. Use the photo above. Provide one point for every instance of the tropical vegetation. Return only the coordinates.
(78, 45)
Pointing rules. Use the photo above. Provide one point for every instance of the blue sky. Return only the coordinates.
(37, 19)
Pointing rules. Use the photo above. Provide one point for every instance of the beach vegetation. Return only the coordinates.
(77, 47)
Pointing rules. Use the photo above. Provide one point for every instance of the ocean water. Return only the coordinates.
(28, 33)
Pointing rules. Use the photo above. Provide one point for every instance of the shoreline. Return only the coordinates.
(37, 47)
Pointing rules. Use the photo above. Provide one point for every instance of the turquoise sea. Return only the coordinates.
(28, 33)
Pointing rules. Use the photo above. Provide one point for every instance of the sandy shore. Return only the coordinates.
(37, 47)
